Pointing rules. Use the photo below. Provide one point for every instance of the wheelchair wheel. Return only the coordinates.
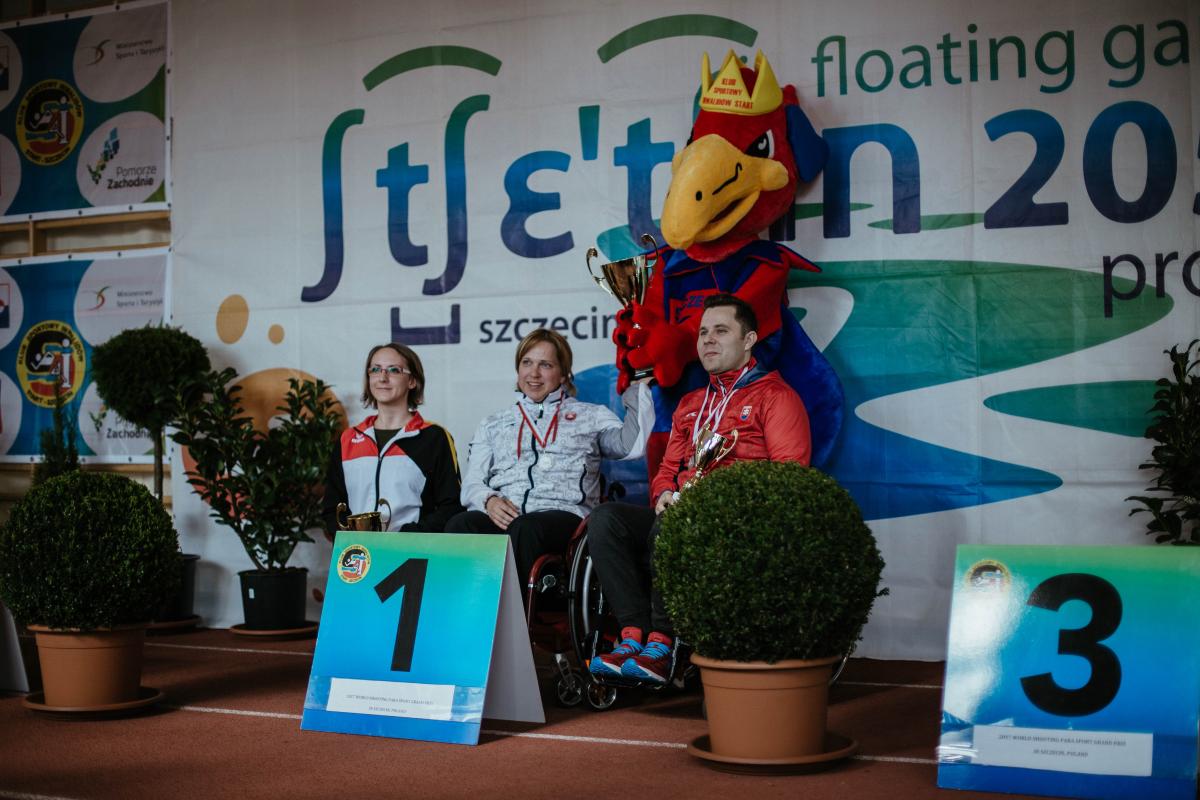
(600, 697)
(586, 609)
(841, 665)
(569, 689)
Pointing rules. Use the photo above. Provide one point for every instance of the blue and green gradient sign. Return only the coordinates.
(406, 636)
(1072, 671)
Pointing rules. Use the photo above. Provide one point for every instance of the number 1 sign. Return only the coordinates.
(421, 636)
(1073, 671)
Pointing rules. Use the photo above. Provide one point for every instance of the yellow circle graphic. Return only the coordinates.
(275, 334)
(50, 359)
(232, 318)
(49, 122)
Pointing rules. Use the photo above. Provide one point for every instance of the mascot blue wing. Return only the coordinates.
(806, 370)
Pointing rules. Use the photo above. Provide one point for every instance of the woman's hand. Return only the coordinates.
(501, 511)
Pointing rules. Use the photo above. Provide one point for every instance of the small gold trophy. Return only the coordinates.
(711, 447)
(366, 521)
(628, 279)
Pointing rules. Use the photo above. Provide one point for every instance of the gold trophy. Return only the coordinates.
(366, 521)
(627, 280)
(711, 447)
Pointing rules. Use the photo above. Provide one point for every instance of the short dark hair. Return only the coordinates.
(417, 395)
(742, 311)
(562, 351)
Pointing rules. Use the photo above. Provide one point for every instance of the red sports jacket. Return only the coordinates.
(768, 414)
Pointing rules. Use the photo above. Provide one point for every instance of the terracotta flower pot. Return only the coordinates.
(766, 711)
(90, 669)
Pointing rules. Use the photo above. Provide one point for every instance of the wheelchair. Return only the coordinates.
(567, 612)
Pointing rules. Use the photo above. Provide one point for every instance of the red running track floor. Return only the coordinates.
(230, 728)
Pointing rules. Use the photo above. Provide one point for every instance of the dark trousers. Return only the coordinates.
(532, 534)
(621, 542)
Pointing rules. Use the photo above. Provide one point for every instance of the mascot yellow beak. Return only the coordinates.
(714, 185)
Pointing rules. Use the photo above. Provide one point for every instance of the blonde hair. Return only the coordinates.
(562, 351)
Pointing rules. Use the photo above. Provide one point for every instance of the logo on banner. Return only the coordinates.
(112, 145)
(100, 298)
(988, 575)
(49, 122)
(50, 356)
(5, 303)
(97, 53)
(353, 563)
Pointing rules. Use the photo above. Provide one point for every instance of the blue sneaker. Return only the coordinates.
(653, 663)
(610, 663)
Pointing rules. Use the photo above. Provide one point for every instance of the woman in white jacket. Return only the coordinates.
(533, 469)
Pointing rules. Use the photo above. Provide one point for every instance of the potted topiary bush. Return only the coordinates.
(265, 484)
(1175, 517)
(149, 398)
(85, 559)
(139, 374)
(769, 571)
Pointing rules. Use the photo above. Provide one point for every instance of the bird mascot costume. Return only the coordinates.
(750, 146)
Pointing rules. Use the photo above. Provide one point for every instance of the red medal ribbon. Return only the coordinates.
(551, 432)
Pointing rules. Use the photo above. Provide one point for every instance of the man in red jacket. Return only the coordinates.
(771, 424)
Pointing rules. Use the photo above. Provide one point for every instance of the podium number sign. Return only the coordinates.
(1073, 671)
(421, 636)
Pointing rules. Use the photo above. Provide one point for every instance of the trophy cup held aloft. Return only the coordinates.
(711, 447)
(627, 280)
(366, 521)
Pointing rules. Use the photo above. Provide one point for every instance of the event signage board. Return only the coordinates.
(52, 313)
(1073, 671)
(83, 110)
(422, 635)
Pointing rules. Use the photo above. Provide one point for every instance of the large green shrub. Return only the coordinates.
(87, 550)
(140, 374)
(764, 561)
(1175, 517)
(265, 485)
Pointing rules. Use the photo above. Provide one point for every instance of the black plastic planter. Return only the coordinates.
(274, 601)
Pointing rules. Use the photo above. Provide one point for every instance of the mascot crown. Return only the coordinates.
(727, 93)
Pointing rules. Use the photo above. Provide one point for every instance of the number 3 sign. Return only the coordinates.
(421, 636)
(1073, 671)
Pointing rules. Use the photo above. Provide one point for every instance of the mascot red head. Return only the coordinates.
(750, 145)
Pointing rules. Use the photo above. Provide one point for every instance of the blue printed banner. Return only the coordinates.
(407, 636)
(1072, 671)
(83, 110)
(1007, 229)
(51, 316)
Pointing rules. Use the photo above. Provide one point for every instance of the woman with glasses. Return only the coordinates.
(533, 470)
(394, 454)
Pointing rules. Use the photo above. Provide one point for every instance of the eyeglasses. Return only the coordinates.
(394, 371)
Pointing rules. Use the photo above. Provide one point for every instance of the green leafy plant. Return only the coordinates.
(87, 550)
(764, 561)
(59, 454)
(265, 485)
(140, 374)
(1175, 517)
